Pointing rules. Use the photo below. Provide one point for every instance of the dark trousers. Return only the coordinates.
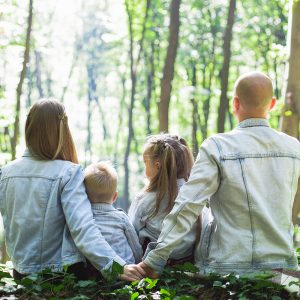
(81, 271)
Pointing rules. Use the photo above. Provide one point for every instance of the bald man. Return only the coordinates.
(250, 176)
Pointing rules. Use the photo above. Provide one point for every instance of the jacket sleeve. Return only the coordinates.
(202, 184)
(133, 240)
(79, 217)
(137, 213)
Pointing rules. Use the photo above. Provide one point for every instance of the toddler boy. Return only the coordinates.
(101, 187)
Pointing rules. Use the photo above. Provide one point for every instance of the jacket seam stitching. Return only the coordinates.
(250, 209)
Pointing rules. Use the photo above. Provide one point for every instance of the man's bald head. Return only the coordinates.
(254, 90)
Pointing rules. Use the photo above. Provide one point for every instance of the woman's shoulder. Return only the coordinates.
(144, 196)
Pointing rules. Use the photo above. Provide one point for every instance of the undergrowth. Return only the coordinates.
(180, 283)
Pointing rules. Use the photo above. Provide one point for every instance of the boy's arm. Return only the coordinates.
(202, 184)
(133, 240)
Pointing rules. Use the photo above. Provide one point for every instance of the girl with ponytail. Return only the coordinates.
(168, 162)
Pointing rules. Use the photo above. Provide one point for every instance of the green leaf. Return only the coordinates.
(58, 288)
(276, 298)
(134, 296)
(86, 283)
(217, 284)
(114, 272)
(151, 283)
(164, 292)
(186, 267)
(4, 274)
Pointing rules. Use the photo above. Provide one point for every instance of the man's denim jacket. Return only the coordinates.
(44, 208)
(250, 176)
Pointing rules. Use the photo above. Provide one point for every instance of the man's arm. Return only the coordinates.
(203, 183)
(296, 205)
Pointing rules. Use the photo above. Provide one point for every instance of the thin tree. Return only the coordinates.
(16, 133)
(133, 76)
(168, 72)
(290, 117)
(224, 101)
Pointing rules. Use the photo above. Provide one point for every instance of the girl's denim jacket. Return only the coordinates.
(250, 176)
(45, 210)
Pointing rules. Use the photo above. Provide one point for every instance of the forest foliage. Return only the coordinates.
(105, 61)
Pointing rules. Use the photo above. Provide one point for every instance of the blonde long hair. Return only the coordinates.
(47, 133)
(175, 160)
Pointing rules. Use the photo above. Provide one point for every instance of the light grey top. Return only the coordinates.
(118, 231)
(148, 226)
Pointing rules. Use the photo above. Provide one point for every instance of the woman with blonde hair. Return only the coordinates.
(46, 213)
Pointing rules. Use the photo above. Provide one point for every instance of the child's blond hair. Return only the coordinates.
(101, 182)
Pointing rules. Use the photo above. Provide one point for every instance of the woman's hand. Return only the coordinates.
(133, 273)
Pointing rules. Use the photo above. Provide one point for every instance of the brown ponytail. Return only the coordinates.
(47, 133)
(167, 179)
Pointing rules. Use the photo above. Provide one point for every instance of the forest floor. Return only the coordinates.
(176, 283)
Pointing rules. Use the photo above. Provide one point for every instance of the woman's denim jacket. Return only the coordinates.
(45, 210)
(250, 176)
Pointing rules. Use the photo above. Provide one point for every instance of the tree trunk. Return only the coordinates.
(290, 118)
(133, 75)
(195, 115)
(73, 65)
(120, 120)
(38, 73)
(224, 103)
(16, 134)
(150, 82)
(168, 72)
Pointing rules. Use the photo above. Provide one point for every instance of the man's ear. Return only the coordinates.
(273, 103)
(236, 104)
(115, 197)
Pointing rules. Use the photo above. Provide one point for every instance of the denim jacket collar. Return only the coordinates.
(28, 153)
(254, 122)
(103, 206)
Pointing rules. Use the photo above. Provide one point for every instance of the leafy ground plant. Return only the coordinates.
(181, 283)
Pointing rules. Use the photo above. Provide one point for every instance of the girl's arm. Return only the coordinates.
(86, 235)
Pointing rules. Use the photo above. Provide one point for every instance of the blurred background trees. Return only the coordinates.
(127, 69)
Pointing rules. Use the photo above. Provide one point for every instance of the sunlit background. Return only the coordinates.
(80, 54)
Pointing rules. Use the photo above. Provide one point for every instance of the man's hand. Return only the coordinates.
(148, 271)
(133, 273)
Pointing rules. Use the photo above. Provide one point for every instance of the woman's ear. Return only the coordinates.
(157, 165)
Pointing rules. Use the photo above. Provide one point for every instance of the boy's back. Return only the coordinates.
(118, 231)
